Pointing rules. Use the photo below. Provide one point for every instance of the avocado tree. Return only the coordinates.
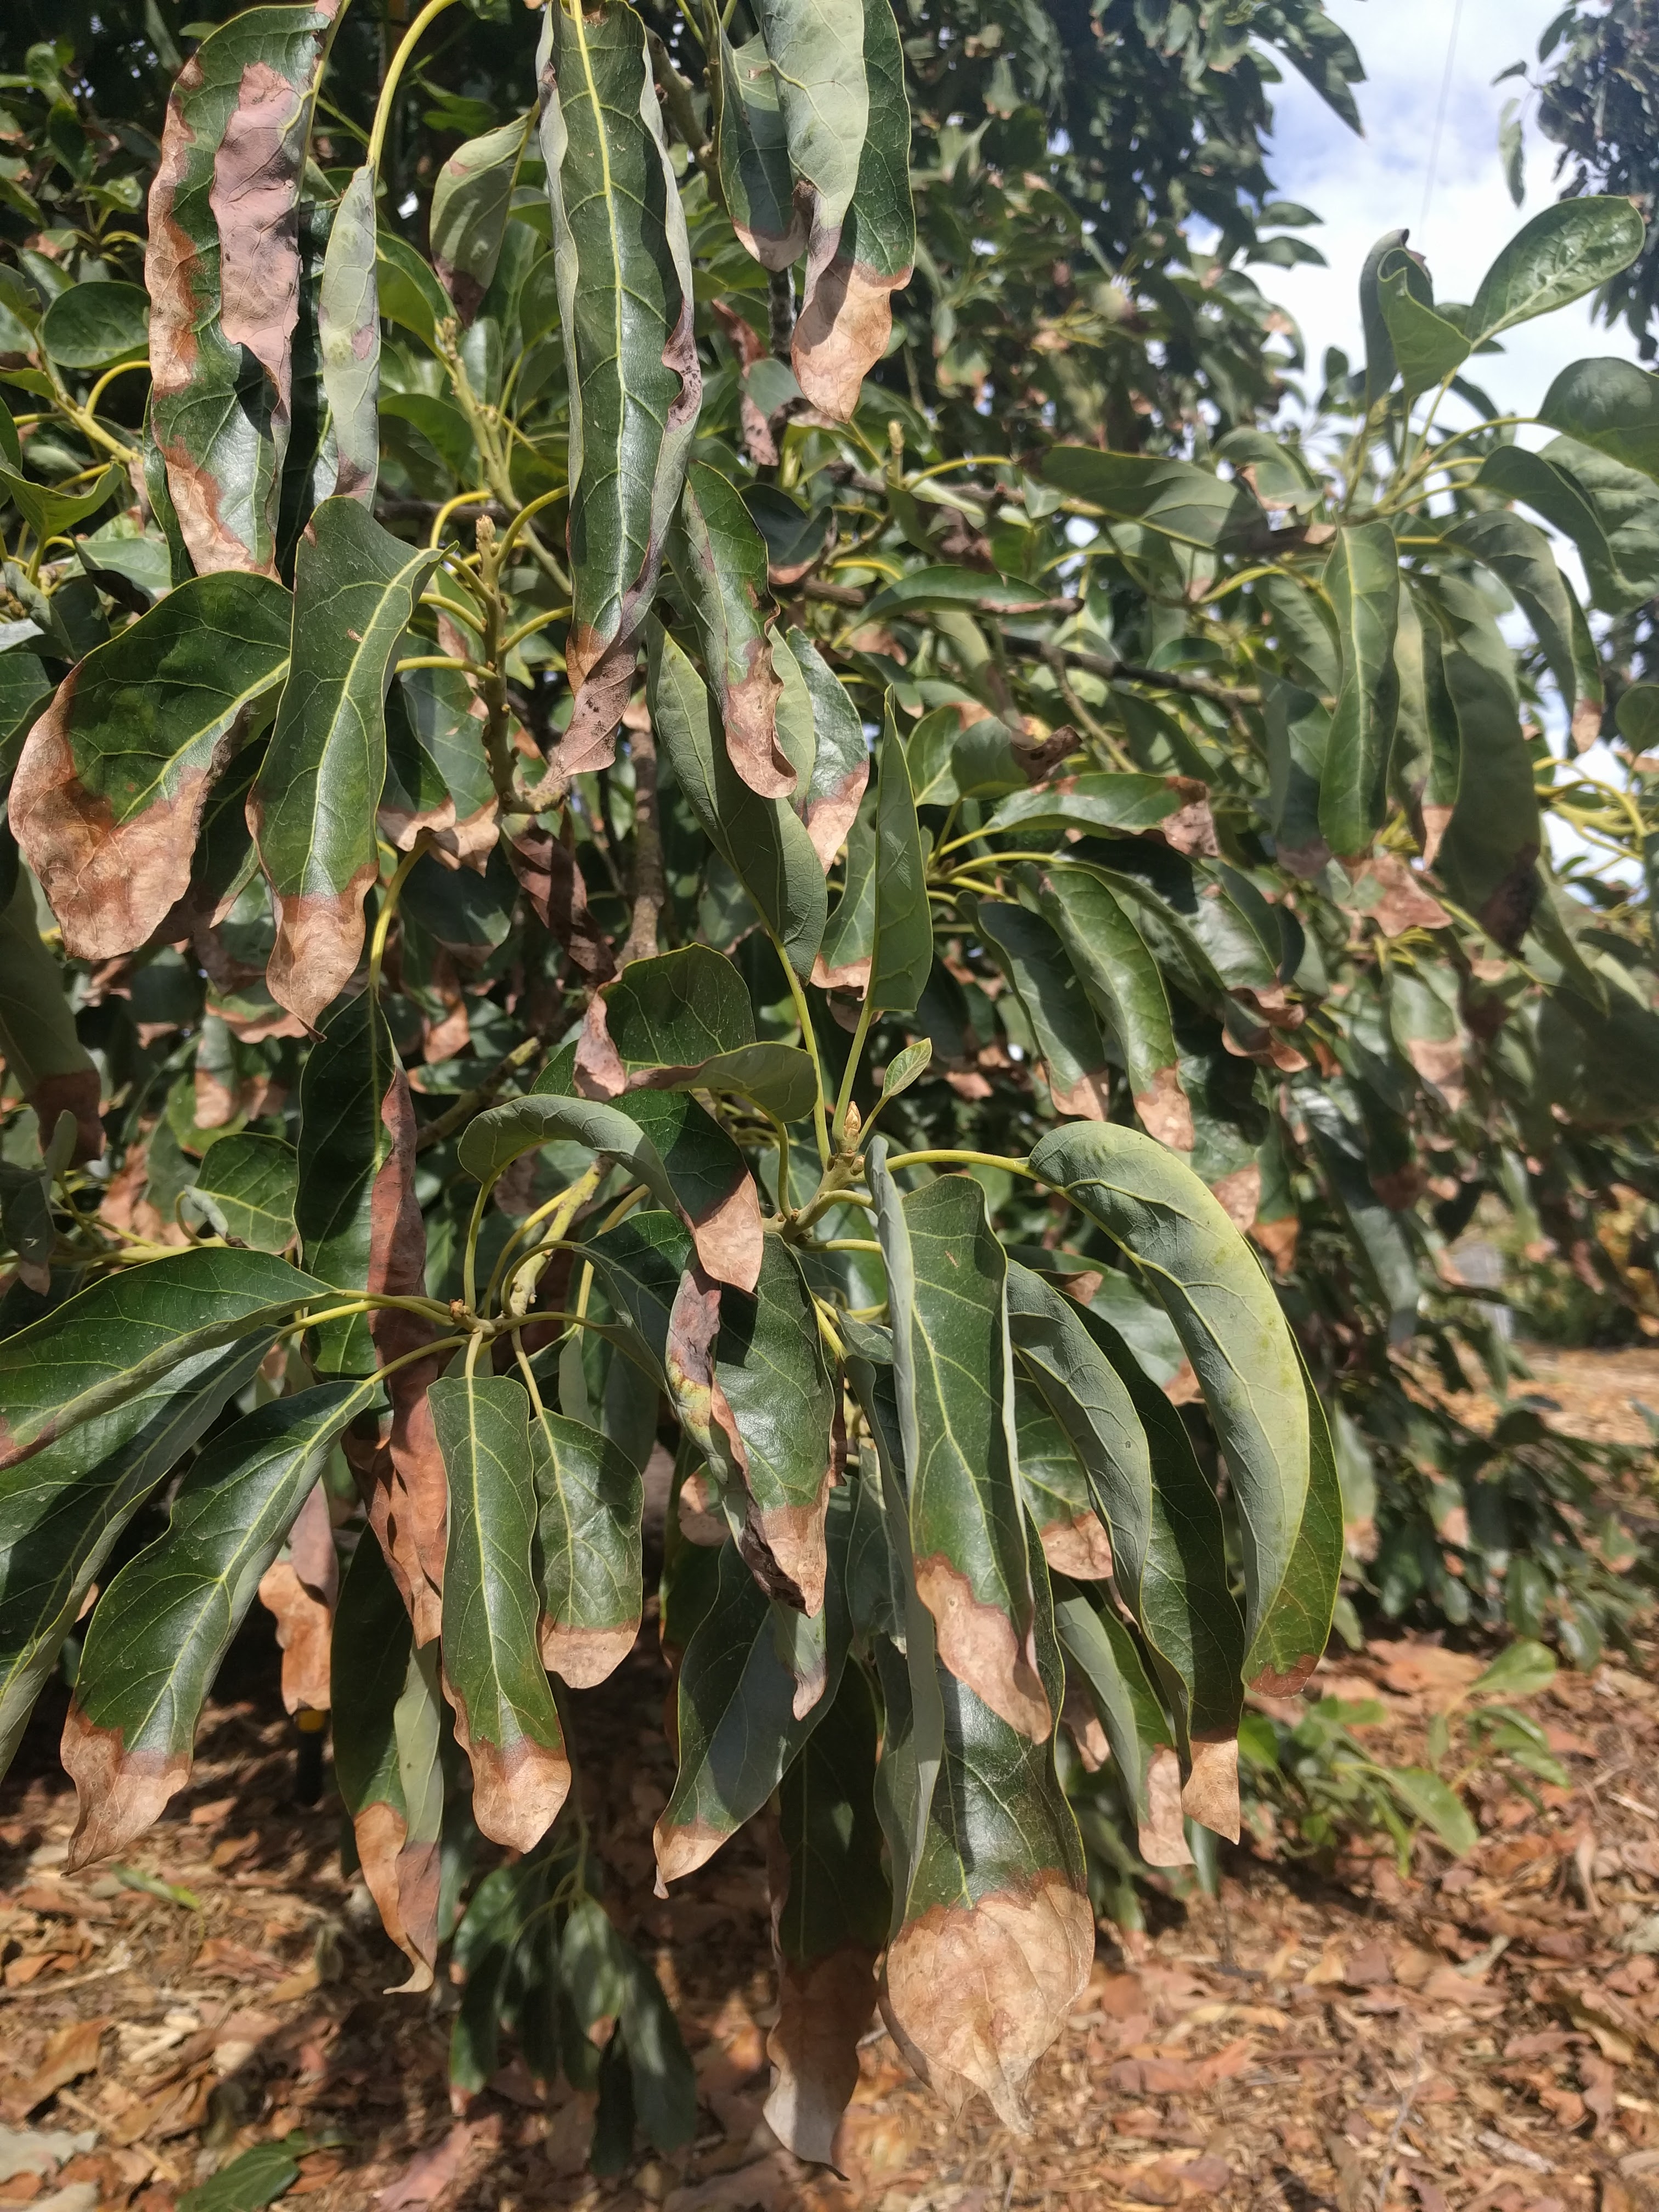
(661, 832)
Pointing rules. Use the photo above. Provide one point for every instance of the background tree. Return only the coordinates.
(610, 864)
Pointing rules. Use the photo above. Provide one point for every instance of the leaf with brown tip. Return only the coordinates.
(161, 1630)
(720, 559)
(386, 1757)
(222, 271)
(506, 1720)
(312, 805)
(846, 319)
(113, 777)
(946, 1276)
(587, 1559)
(829, 1908)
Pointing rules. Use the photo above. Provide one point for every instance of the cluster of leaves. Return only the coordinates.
(453, 978)
(1596, 96)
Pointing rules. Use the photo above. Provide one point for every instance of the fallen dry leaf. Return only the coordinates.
(71, 2052)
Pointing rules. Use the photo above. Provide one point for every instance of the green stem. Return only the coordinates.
(844, 1096)
(388, 907)
(395, 69)
(809, 1040)
(970, 1159)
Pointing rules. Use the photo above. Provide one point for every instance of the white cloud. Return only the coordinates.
(1363, 187)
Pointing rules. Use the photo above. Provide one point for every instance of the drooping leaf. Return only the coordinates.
(1168, 1547)
(1610, 404)
(719, 558)
(1517, 551)
(313, 801)
(741, 1715)
(1427, 348)
(829, 1908)
(666, 1140)
(842, 962)
(818, 74)
(754, 158)
(437, 775)
(386, 1757)
(246, 1186)
(996, 1936)
(772, 1371)
(586, 1557)
(505, 1718)
(1609, 515)
(1189, 1255)
(761, 839)
(360, 1229)
(112, 1340)
(49, 512)
(946, 1276)
(62, 1511)
(1565, 251)
(114, 776)
(1362, 577)
(1034, 960)
(901, 953)
(471, 196)
(841, 754)
(625, 306)
(42, 1051)
(1116, 969)
(222, 270)
(846, 319)
(1102, 1649)
(1055, 1488)
(161, 1631)
(348, 339)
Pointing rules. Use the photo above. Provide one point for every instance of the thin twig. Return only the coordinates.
(474, 1101)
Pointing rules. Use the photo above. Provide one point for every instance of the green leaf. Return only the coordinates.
(1056, 1491)
(841, 754)
(1187, 1252)
(1566, 250)
(62, 1511)
(947, 1294)
(760, 840)
(720, 559)
(1551, 484)
(1521, 1671)
(996, 1936)
(348, 339)
(1118, 972)
(1488, 854)
(845, 321)
(1518, 552)
(386, 1755)
(754, 156)
(94, 325)
(1111, 800)
(112, 1340)
(246, 1186)
(924, 590)
(110, 788)
(1427, 348)
(665, 1141)
(471, 197)
(683, 1022)
(38, 1036)
(757, 1679)
(1298, 735)
(1610, 405)
(824, 99)
(313, 801)
(25, 689)
(902, 956)
(161, 1631)
(252, 2180)
(49, 513)
(1169, 1552)
(625, 306)
(505, 1718)
(586, 1554)
(1176, 499)
(1067, 1036)
(1362, 577)
(354, 1170)
(1434, 1803)
(850, 935)
(1380, 364)
(222, 271)
(437, 775)
(770, 1368)
(1103, 1652)
(830, 1910)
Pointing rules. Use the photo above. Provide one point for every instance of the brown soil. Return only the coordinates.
(1480, 2033)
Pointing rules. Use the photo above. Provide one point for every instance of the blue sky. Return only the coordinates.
(1365, 186)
